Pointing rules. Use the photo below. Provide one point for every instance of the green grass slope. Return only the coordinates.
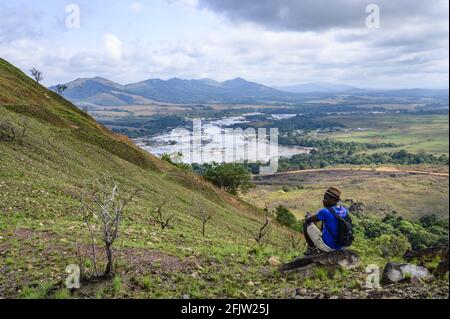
(63, 153)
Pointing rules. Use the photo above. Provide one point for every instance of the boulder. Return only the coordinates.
(394, 273)
(331, 261)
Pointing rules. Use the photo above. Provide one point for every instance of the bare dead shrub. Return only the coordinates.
(102, 213)
(295, 241)
(202, 213)
(264, 228)
(161, 214)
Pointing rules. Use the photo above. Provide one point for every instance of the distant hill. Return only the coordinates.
(98, 91)
(102, 92)
(316, 88)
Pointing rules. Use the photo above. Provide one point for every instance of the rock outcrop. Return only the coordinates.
(428, 254)
(394, 273)
(424, 256)
(357, 207)
(305, 266)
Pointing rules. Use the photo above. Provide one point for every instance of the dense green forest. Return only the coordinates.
(334, 155)
(329, 152)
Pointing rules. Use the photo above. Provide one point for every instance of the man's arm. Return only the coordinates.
(312, 219)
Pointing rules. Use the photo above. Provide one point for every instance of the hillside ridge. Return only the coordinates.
(103, 92)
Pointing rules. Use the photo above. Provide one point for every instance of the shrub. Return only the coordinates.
(285, 217)
(417, 235)
(375, 229)
(392, 245)
(147, 283)
(429, 220)
(116, 285)
(62, 294)
(298, 226)
(177, 161)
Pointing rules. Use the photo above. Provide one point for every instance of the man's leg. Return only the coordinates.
(315, 237)
(306, 235)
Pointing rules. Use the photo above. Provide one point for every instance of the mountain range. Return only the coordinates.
(99, 91)
(103, 92)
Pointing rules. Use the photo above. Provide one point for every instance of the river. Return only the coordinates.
(210, 141)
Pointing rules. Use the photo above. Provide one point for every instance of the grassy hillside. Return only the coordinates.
(62, 155)
(59, 159)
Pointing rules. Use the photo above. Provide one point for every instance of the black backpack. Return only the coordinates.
(344, 236)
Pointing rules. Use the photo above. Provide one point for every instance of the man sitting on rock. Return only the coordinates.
(329, 238)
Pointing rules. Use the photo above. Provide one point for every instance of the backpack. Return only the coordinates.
(345, 235)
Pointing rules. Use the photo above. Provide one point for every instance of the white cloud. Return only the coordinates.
(112, 48)
(407, 55)
(137, 7)
(189, 3)
(192, 3)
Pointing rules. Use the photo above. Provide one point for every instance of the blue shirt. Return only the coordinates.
(331, 225)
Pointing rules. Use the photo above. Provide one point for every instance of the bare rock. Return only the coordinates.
(395, 273)
(331, 261)
(274, 261)
(427, 254)
(357, 207)
(310, 270)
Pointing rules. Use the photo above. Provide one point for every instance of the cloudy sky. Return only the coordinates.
(275, 42)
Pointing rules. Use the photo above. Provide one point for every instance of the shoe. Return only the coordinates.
(311, 251)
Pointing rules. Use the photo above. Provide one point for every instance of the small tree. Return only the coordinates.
(285, 217)
(37, 75)
(61, 88)
(161, 214)
(263, 228)
(233, 177)
(204, 215)
(106, 206)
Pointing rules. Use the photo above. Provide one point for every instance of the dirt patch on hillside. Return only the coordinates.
(43, 257)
